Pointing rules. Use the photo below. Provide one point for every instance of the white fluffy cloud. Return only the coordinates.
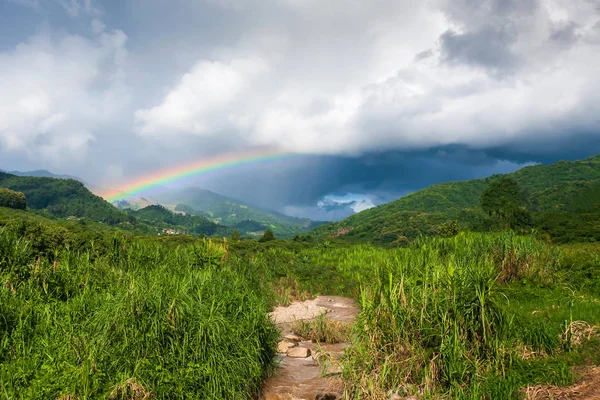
(335, 77)
(56, 90)
(204, 100)
(361, 75)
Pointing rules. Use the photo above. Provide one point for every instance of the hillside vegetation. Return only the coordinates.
(233, 213)
(193, 224)
(559, 195)
(62, 198)
(11, 199)
(210, 214)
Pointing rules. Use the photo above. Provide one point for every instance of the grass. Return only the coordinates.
(143, 320)
(323, 330)
(472, 316)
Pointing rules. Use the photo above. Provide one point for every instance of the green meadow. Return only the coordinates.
(476, 315)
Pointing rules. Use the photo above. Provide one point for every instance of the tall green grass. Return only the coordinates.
(446, 317)
(472, 316)
(142, 320)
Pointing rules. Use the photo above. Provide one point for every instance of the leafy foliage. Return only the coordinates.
(504, 199)
(560, 199)
(449, 229)
(267, 236)
(11, 199)
(63, 198)
(235, 236)
(188, 223)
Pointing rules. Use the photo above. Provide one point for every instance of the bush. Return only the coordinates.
(12, 199)
(449, 229)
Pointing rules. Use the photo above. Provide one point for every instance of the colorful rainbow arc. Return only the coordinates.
(212, 164)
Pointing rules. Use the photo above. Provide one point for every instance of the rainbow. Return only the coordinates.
(204, 166)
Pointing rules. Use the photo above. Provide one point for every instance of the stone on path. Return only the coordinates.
(297, 311)
(293, 337)
(298, 352)
(285, 345)
(327, 396)
(299, 375)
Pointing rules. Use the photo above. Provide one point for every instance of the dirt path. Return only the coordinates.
(588, 387)
(299, 375)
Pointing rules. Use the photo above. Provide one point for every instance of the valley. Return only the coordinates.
(147, 302)
(299, 200)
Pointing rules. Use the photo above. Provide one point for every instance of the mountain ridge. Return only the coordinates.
(233, 212)
(552, 188)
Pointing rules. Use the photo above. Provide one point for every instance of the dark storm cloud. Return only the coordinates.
(489, 28)
(386, 175)
(565, 34)
(488, 48)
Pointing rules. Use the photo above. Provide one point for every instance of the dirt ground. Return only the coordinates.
(587, 387)
(305, 378)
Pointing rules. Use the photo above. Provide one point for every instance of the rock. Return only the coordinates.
(285, 345)
(293, 337)
(333, 368)
(298, 352)
(327, 396)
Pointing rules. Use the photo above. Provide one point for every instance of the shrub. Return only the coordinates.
(12, 199)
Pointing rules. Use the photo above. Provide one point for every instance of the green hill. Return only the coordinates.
(180, 223)
(557, 191)
(62, 198)
(234, 213)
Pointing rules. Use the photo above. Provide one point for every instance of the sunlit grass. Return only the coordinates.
(472, 316)
(143, 320)
(323, 330)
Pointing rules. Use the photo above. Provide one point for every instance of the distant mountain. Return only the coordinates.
(556, 193)
(42, 173)
(231, 212)
(134, 203)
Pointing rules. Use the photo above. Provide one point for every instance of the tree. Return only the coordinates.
(505, 200)
(235, 236)
(449, 229)
(11, 199)
(267, 236)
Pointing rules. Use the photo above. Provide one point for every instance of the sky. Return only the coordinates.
(380, 97)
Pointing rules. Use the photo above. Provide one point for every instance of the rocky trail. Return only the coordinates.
(309, 370)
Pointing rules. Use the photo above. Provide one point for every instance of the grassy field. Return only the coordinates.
(142, 320)
(472, 316)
